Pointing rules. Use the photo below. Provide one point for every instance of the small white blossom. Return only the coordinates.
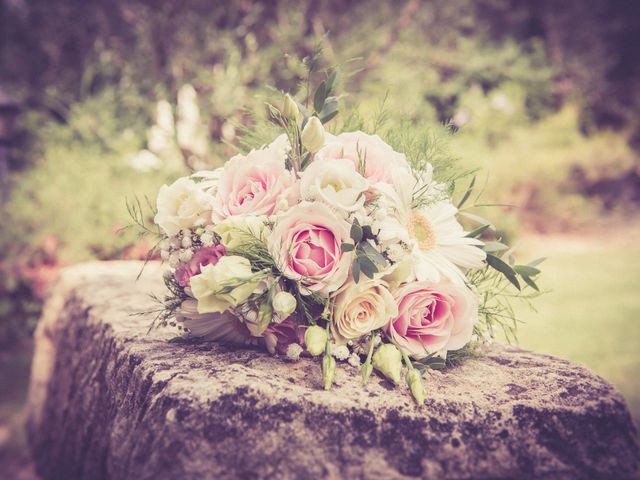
(185, 255)
(174, 260)
(293, 351)
(207, 239)
(186, 242)
(282, 204)
(164, 255)
(175, 243)
(341, 352)
(165, 245)
(354, 360)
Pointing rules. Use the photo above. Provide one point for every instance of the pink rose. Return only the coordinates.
(378, 157)
(305, 243)
(253, 185)
(204, 256)
(432, 317)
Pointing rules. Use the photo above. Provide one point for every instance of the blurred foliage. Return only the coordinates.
(121, 96)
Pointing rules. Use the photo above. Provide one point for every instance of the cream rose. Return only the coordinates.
(182, 205)
(359, 308)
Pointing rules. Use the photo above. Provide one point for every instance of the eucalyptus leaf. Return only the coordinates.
(367, 266)
(355, 271)
(347, 247)
(478, 231)
(529, 281)
(356, 232)
(494, 247)
(319, 97)
(526, 270)
(537, 261)
(328, 117)
(467, 194)
(499, 265)
(369, 250)
(330, 82)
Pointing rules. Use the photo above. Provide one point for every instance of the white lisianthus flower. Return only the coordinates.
(359, 308)
(224, 285)
(218, 327)
(334, 183)
(237, 231)
(185, 255)
(183, 204)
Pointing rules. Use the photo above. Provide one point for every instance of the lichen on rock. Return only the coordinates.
(109, 401)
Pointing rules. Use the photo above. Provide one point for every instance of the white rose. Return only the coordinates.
(335, 183)
(183, 204)
(284, 304)
(224, 285)
(360, 308)
(237, 231)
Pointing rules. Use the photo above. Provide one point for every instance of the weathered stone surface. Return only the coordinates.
(109, 401)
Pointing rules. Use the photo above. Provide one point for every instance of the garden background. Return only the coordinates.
(114, 98)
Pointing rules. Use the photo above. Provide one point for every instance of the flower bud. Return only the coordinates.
(365, 371)
(414, 380)
(290, 108)
(328, 371)
(388, 361)
(265, 313)
(315, 338)
(313, 135)
(284, 304)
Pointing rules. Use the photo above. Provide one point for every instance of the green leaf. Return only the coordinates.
(347, 247)
(499, 265)
(355, 271)
(331, 81)
(529, 281)
(356, 232)
(328, 117)
(526, 270)
(367, 266)
(537, 262)
(494, 247)
(467, 194)
(319, 97)
(478, 231)
(329, 110)
(477, 218)
(369, 250)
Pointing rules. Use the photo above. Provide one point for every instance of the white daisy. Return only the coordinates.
(441, 247)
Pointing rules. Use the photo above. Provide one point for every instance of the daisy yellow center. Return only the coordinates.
(421, 230)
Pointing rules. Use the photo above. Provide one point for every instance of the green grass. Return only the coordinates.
(592, 314)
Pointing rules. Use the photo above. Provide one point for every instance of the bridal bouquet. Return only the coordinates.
(332, 246)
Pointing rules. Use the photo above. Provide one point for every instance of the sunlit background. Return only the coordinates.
(100, 100)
